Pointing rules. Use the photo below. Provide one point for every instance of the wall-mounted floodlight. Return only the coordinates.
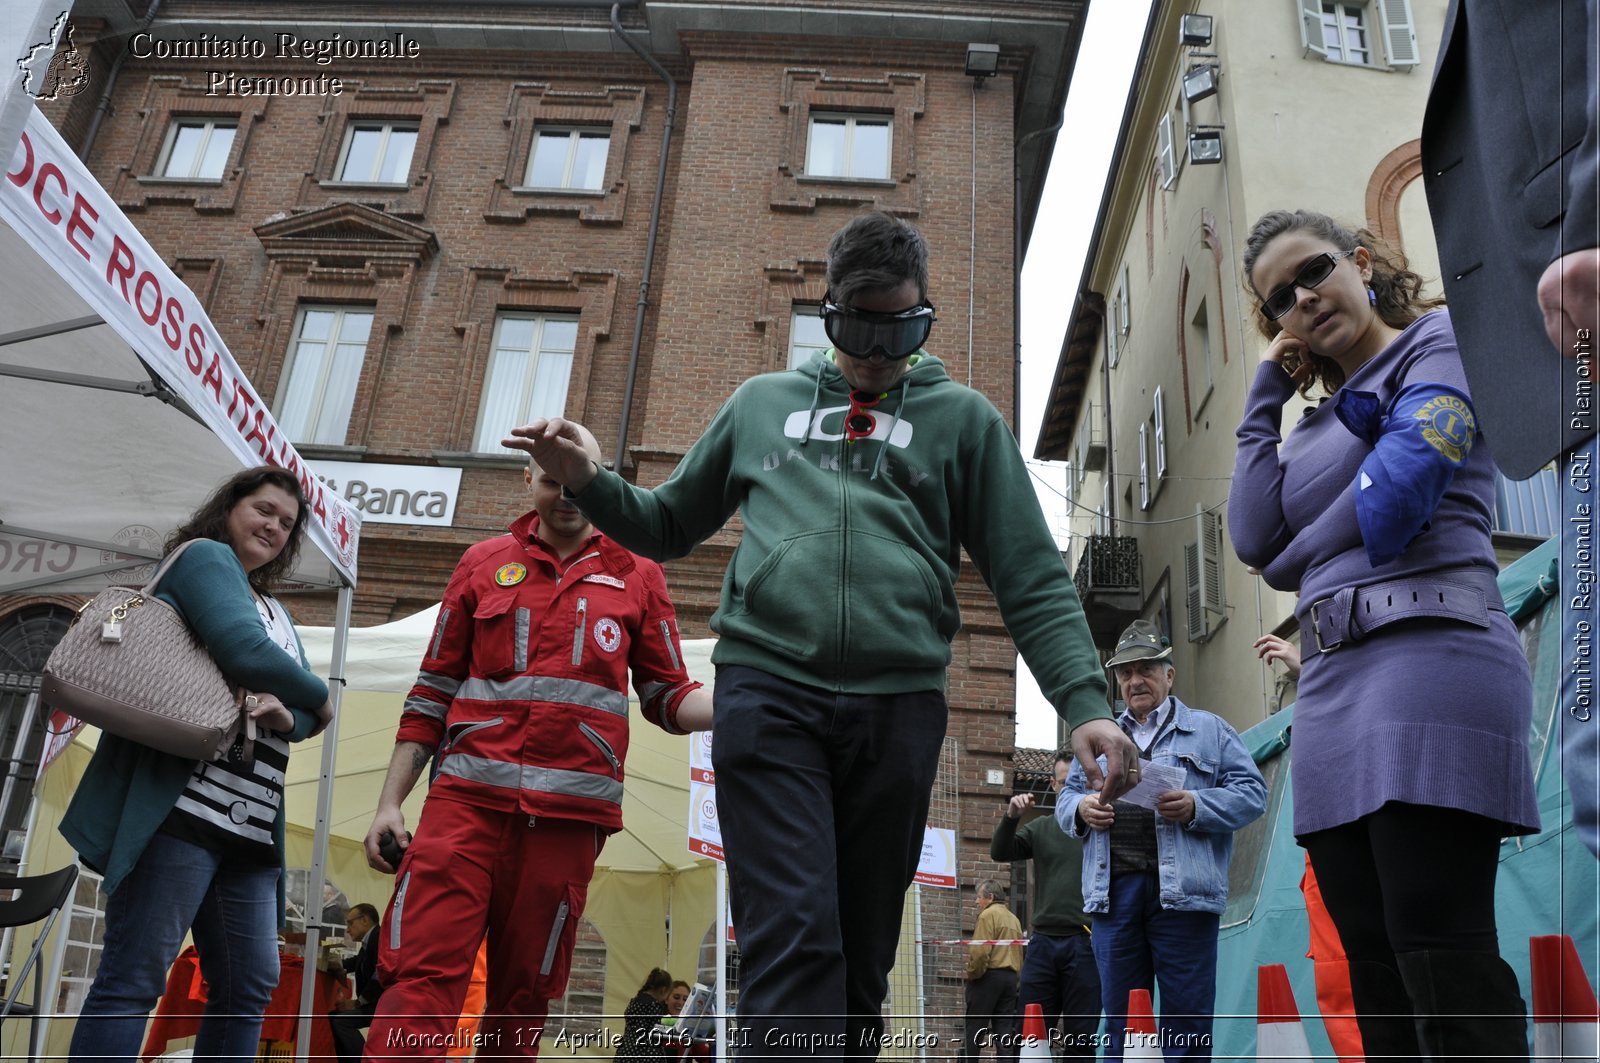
(1205, 147)
(1194, 31)
(1200, 82)
(983, 60)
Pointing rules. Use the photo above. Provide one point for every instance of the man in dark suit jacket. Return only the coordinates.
(1511, 164)
(355, 1014)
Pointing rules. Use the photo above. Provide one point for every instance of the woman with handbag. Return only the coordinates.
(187, 845)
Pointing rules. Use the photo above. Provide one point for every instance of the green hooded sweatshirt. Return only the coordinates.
(845, 575)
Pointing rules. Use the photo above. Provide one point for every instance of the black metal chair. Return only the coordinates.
(35, 897)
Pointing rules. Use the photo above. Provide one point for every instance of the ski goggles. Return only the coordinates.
(1313, 273)
(861, 334)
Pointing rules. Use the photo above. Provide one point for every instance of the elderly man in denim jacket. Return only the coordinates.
(1155, 874)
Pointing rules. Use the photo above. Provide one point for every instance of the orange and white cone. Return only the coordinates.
(1566, 1019)
(1140, 1040)
(1035, 1039)
(1279, 1032)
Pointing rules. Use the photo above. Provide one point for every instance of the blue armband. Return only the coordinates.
(1421, 440)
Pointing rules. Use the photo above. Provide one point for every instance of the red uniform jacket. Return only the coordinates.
(525, 680)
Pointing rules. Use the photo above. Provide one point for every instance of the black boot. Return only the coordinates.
(1468, 1005)
(1383, 1012)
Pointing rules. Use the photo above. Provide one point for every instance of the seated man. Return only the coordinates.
(353, 1015)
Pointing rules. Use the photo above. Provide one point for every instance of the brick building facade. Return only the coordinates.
(478, 196)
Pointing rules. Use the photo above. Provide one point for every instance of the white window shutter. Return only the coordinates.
(1111, 338)
(1311, 26)
(1071, 484)
(1126, 302)
(1399, 32)
(1166, 158)
(1198, 618)
(1161, 436)
(1144, 467)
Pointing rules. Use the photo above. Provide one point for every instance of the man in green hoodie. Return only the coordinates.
(860, 477)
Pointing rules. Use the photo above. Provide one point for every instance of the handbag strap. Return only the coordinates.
(149, 589)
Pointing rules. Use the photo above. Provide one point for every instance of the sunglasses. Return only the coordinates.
(862, 334)
(859, 421)
(1311, 274)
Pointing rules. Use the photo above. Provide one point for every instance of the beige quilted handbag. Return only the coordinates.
(130, 665)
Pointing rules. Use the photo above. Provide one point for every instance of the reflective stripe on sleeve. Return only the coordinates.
(442, 683)
(424, 707)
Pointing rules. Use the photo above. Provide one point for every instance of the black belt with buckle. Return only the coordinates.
(1463, 594)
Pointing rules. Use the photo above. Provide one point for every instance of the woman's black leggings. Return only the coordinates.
(1409, 878)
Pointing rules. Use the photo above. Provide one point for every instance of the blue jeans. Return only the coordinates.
(1140, 945)
(823, 797)
(1059, 974)
(177, 886)
(1580, 628)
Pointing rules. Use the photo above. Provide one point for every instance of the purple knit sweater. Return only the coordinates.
(1292, 512)
(1426, 712)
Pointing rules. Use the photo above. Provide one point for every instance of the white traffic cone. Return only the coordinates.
(1035, 1040)
(1566, 1019)
(1279, 1032)
(1140, 1040)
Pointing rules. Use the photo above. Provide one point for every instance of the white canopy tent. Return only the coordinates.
(120, 404)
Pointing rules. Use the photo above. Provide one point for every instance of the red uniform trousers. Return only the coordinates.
(468, 872)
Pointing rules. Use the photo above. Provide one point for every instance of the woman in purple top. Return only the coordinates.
(1410, 732)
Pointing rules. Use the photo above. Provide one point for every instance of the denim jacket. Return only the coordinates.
(1192, 860)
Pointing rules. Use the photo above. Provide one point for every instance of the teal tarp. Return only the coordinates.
(1547, 882)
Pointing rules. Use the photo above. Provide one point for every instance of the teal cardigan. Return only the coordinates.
(128, 789)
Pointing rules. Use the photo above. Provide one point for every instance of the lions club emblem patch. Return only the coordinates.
(510, 575)
(608, 634)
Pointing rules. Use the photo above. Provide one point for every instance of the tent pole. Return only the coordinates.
(319, 844)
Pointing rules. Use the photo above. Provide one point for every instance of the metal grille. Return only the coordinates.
(26, 639)
(1107, 563)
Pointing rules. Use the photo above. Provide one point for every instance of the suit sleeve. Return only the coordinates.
(445, 663)
(655, 656)
(1581, 224)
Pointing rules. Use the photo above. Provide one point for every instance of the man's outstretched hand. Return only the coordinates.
(556, 446)
(1104, 738)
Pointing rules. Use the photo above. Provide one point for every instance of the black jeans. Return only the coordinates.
(1059, 973)
(992, 1015)
(822, 799)
(1409, 878)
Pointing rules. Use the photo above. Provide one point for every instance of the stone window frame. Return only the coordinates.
(898, 95)
(374, 261)
(427, 103)
(532, 105)
(487, 292)
(782, 286)
(169, 99)
(292, 343)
